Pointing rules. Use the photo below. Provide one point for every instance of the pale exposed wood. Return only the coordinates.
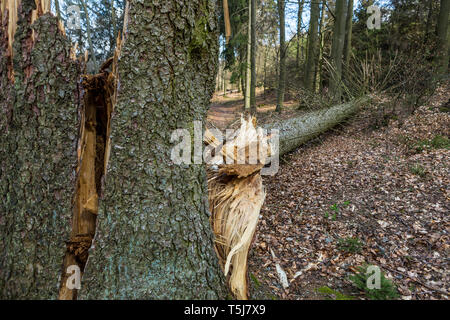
(236, 195)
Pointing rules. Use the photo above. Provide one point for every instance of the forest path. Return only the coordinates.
(360, 195)
(226, 110)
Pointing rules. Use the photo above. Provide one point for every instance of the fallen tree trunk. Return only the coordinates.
(295, 131)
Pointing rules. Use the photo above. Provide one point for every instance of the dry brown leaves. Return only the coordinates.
(359, 183)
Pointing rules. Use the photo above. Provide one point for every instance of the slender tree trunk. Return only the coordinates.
(318, 71)
(39, 102)
(299, 30)
(253, 58)
(429, 21)
(282, 77)
(226, 16)
(89, 35)
(311, 58)
(154, 240)
(348, 34)
(442, 31)
(337, 48)
(248, 76)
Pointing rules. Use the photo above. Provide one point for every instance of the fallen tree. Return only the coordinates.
(296, 131)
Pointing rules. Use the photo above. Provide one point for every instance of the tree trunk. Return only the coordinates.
(299, 30)
(39, 123)
(153, 239)
(226, 17)
(429, 22)
(442, 31)
(337, 48)
(295, 131)
(248, 75)
(318, 71)
(348, 34)
(253, 59)
(311, 59)
(282, 76)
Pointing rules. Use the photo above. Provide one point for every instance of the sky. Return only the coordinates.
(291, 15)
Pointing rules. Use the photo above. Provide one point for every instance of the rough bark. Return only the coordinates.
(299, 30)
(318, 71)
(311, 58)
(442, 30)
(153, 239)
(295, 131)
(337, 48)
(253, 59)
(282, 75)
(39, 124)
(348, 34)
(248, 76)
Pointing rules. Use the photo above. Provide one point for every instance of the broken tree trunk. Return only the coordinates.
(40, 102)
(295, 131)
(153, 239)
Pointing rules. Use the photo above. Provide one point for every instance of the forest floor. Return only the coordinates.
(369, 192)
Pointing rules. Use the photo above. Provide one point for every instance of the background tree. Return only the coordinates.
(348, 34)
(253, 58)
(338, 47)
(312, 54)
(282, 75)
(442, 31)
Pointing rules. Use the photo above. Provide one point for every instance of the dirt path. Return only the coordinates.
(225, 110)
(387, 189)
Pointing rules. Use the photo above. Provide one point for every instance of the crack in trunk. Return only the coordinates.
(90, 172)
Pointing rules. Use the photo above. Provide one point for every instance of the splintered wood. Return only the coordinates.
(93, 153)
(236, 195)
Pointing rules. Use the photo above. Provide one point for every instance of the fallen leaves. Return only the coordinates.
(358, 184)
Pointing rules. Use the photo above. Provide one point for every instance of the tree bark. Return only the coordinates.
(253, 59)
(348, 34)
(248, 75)
(299, 30)
(296, 131)
(282, 75)
(442, 30)
(311, 59)
(153, 239)
(337, 49)
(226, 17)
(318, 71)
(39, 125)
